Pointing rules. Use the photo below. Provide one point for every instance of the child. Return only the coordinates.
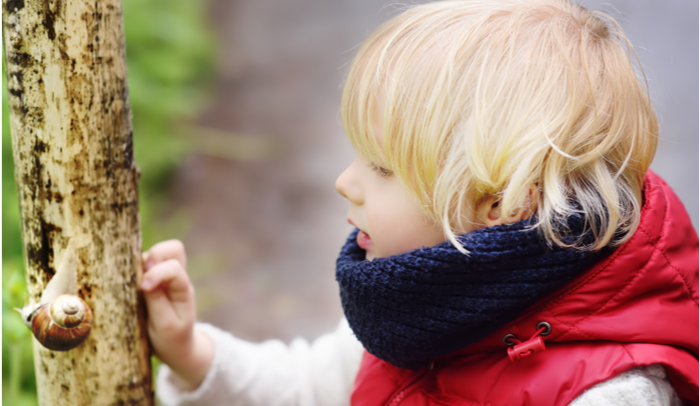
(512, 247)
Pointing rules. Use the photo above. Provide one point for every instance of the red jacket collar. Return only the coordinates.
(645, 291)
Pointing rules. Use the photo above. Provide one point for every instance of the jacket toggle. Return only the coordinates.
(522, 349)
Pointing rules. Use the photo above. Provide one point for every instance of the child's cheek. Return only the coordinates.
(401, 227)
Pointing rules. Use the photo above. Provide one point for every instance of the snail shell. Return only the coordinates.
(62, 324)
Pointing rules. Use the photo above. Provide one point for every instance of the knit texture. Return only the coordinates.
(411, 308)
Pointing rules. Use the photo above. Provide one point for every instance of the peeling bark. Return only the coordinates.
(76, 178)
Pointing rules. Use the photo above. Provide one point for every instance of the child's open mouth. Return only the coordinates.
(364, 241)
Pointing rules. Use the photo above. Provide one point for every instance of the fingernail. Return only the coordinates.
(147, 265)
(146, 284)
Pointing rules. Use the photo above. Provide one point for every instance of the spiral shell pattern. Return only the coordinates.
(62, 324)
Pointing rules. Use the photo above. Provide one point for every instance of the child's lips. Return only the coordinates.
(364, 241)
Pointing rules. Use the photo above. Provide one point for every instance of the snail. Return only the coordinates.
(61, 320)
(62, 324)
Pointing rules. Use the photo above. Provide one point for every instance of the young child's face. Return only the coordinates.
(390, 222)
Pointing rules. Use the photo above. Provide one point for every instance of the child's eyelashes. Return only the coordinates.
(383, 172)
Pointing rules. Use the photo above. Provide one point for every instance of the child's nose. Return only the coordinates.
(347, 186)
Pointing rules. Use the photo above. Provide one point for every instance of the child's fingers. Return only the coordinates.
(163, 251)
(160, 310)
(170, 276)
(169, 294)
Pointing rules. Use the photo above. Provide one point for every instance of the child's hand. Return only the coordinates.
(171, 314)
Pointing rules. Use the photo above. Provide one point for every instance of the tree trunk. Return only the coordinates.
(76, 178)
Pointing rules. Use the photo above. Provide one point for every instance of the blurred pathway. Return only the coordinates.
(272, 228)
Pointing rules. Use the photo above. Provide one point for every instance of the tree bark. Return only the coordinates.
(76, 178)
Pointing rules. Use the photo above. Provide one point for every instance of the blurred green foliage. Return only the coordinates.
(170, 59)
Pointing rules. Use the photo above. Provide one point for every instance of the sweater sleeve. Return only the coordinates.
(271, 373)
(644, 386)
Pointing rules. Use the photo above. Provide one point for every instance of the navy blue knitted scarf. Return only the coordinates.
(411, 308)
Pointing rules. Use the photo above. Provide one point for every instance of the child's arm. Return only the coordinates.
(272, 372)
(171, 314)
(205, 365)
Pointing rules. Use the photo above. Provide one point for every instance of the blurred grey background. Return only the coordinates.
(264, 221)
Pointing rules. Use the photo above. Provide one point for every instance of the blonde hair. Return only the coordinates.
(482, 99)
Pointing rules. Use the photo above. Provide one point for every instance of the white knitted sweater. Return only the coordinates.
(322, 373)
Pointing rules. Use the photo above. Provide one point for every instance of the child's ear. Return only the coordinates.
(492, 209)
(494, 212)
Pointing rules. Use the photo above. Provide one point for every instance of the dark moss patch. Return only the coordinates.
(16, 92)
(13, 5)
(22, 59)
(49, 20)
(41, 255)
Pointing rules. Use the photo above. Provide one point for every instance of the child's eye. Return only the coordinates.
(383, 172)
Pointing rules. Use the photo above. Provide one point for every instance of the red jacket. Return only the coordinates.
(636, 307)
